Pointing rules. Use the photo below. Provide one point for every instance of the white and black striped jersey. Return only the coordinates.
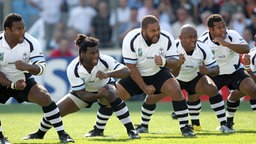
(29, 51)
(80, 78)
(227, 59)
(252, 54)
(201, 55)
(136, 51)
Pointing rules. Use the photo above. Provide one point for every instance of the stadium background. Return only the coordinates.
(55, 79)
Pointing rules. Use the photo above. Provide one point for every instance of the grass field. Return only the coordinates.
(21, 119)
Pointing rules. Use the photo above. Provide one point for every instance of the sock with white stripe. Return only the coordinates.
(232, 106)
(1, 133)
(181, 110)
(103, 115)
(52, 114)
(217, 104)
(253, 104)
(147, 111)
(194, 109)
(121, 111)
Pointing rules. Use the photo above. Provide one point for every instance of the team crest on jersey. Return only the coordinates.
(25, 56)
(140, 51)
(161, 51)
(1, 56)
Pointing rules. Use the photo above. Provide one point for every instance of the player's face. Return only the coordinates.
(16, 32)
(152, 32)
(218, 30)
(91, 56)
(188, 40)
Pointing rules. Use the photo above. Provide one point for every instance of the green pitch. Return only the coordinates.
(21, 119)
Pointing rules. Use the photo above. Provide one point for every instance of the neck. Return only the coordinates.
(10, 42)
(87, 67)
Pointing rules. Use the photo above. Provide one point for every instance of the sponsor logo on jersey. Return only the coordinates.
(140, 51)
(161, 51)
(1, 56)
(25, 56)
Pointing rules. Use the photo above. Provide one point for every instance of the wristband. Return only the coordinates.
(247, 67)
(13, 85)
(163, 61)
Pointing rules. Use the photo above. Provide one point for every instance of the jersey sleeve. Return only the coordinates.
(172, 50)
(209, 60)
(128, 52)
(236, 37)
(111, 62)
(36, 54)
(72, 73)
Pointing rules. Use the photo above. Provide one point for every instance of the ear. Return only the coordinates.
(7, 29)
(210, 29)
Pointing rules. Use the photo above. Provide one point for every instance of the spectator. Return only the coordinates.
(182, 18)
(64, 49)
(124, 28)
(201, 28)
(80, 17)
(100, 26)
(50, 12)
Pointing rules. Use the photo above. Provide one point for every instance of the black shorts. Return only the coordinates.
(191, 85)
(156, 80)
(19, 95)
(232, 81)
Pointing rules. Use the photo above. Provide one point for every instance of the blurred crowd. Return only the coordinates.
(56, 22)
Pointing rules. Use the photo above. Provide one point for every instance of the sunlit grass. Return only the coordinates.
(21, 119)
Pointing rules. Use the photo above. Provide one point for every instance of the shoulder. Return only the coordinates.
(204, 37)
(31, 39)
(133, 32)
(232, 32)
(167, 34)
(106, 59)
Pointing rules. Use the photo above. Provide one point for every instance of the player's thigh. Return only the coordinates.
(171, 88)
(205, 85)
(70, 104)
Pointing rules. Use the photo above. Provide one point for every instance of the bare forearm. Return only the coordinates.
(4, 81)
(173, 63)
(214, 71)
(239, 48)
(33, 69)
(120, 73)
(136, 76)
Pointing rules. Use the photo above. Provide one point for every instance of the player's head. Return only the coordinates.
(88, 49)
(188, 37)
(150, 29)
(216, 26)
(14, 28)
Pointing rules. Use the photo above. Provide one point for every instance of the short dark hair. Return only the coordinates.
(10, 18)
(83, 41)
(149, 19)
(254, 38)
(213, 18)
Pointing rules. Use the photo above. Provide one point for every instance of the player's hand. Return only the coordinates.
(182, 59)
(20, 85)
(246, 59)
(203, 69)
(220, 41)
(149, 89)
(159, 60)
(101, 75)
(20, 65)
